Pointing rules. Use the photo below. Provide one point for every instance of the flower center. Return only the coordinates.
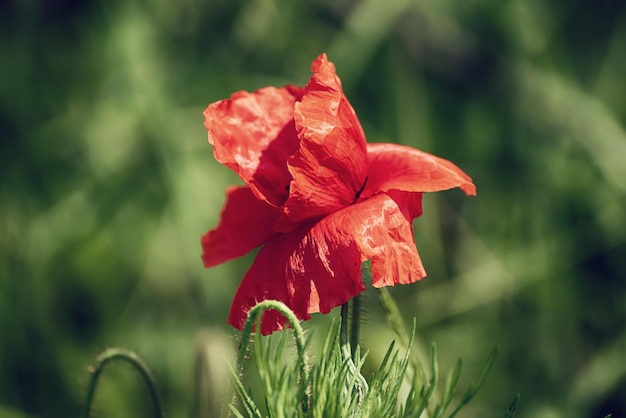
(358, 194)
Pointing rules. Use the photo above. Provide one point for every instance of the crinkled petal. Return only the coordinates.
(318, 269)
(330, 167)
(383, 229)
(397, 167)
(254, 134)
(245, 224)
(265, 280)
(301, 272)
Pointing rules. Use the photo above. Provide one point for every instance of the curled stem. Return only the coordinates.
(132, 358)
(257, 311)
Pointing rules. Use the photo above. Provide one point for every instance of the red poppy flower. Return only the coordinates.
(317, 198)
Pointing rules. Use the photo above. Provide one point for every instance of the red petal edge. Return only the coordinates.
(398, 167)
(318, 269)
(246, 223)
(330, 167)
(254, 134)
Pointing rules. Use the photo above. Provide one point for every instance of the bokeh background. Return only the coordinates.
(107, 183)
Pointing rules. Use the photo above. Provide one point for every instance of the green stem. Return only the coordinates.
(394, 318)
(344, 341)
(356, 323)
(348, 353)
(392, 314)
(132, 358)
(256, 312)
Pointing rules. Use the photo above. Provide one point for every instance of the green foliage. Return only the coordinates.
(332, 388)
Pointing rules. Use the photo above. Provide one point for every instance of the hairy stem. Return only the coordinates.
(356, 323)
(349, 353)
(132, 358)
(257, 312)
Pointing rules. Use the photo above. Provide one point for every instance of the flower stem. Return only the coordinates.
(257, 312)
(349, 352)
(132, 358)
(356, 324)
(344, 330)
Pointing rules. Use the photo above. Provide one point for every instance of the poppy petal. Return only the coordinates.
(383, 231)
(330, 166)
(246, 223)
(253, 134)
(318, 269)
(301, 272)
(399, 167)
(270, 278)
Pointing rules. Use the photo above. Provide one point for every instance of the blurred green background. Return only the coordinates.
(107, 183)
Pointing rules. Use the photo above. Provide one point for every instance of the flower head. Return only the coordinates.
(317, 199)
